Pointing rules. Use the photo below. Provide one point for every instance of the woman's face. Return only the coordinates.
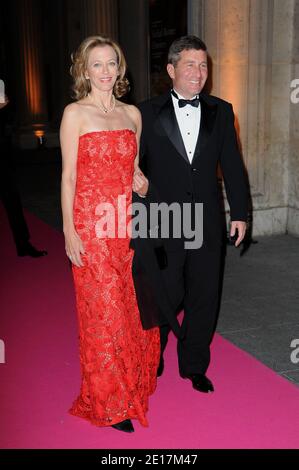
(102, 68)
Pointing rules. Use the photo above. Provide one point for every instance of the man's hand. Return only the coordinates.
(3, 104)
(140, 183)
(241, 227)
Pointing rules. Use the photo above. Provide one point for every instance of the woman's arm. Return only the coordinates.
(69, 140)
(140, 182)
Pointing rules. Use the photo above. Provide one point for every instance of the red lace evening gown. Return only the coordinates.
(118, 358)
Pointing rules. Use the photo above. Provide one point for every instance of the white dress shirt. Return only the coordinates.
(188, 119)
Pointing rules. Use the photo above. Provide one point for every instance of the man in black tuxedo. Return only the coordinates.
(185, 134)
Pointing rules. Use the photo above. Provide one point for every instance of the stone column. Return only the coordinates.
(250, 43)
(195, 17)
(293, 212)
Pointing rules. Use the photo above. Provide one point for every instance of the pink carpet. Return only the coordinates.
(252, 407)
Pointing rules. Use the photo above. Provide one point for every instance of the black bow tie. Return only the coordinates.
(182, 102)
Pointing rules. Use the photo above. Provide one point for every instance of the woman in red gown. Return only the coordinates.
(99, 142)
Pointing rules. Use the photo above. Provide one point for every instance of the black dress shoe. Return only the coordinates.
(160, 367)
(29, 250)
(200, 382)
(125, 426)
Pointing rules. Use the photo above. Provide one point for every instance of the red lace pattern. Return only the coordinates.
(118, 358)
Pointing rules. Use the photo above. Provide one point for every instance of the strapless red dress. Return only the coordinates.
(118, 358)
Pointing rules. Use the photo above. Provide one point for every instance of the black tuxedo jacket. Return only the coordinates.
(164, 161)
(173, 179)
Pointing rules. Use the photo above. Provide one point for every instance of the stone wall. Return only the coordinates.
(254, 49)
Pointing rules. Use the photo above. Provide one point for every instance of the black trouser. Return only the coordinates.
(192, 279)
(10, 197)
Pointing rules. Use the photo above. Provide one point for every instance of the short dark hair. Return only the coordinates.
(184, 43)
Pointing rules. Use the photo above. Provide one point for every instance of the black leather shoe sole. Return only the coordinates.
(125, 426)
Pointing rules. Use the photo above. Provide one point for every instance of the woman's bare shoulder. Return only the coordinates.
(130, 109)
(132, 112)
(72, 109)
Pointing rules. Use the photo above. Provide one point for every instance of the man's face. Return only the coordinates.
(190, 73)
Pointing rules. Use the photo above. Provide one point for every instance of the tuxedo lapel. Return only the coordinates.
(207, 121)
(166, 115)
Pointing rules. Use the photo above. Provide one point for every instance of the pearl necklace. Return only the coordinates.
(102, 107)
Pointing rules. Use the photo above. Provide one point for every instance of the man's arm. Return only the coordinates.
(141, 185)
(234, 178)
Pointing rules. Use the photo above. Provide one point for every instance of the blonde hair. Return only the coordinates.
(81, 86)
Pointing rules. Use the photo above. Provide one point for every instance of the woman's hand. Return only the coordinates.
(140, 183)
(74, 247)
